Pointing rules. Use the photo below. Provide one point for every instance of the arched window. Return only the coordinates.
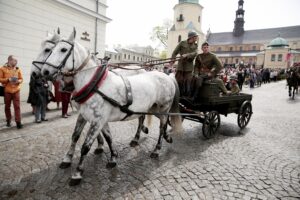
(219, 49)
(273, 57)
(279, 57)
(199, 19)
(179, 38)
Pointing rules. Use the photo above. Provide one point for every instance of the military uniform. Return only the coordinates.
(208, 63)
(185, 65)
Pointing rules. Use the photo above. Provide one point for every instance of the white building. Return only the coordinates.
(133, 54)
(24, 25)
(187, 17)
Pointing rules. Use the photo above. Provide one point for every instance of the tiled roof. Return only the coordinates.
(254, 36)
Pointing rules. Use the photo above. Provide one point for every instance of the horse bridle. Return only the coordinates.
(63, 63)
(35, 62)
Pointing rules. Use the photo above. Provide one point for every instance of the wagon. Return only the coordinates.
(210, 105)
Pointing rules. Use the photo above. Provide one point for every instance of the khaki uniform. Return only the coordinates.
(206, 63)
(185, 66)
(235, 89)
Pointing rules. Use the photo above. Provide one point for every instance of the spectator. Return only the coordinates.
(11, 78)
(40, 89)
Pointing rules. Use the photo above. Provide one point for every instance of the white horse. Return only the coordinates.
(45, 50)
(103, 95)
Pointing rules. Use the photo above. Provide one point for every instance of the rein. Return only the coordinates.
(144, 65)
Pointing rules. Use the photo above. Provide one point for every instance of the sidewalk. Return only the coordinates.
(27, 116)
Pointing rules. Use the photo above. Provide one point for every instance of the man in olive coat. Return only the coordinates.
(187, 49)
(208, 65)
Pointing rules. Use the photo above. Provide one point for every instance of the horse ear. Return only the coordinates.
(58, 30)
(73, 35)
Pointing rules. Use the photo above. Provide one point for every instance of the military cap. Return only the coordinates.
(192, 34)
(205, 43)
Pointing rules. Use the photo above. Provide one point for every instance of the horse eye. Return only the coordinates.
(64, 50)
(47, 50)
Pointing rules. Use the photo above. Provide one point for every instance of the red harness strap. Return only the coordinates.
(88, 90)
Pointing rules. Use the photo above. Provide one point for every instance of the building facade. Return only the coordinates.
(239, 46)
(131, 55)
(187, 17)
(25, 23)
(252, 47)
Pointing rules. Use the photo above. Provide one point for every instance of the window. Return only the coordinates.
(273, 57)
(219, 49)
(129, 57)
(119, 58)
(133, 58)
(226, 60)
(124, 56)
(280, 57)
(199, 19)
(179, 38)
(138, 58)
(241, 48)
(231, 48)
(253, 48)
(115, 57)
(236, 60)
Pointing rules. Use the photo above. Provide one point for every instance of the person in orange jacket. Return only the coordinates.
(11, 78)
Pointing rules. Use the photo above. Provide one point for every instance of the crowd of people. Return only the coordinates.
(40, 94)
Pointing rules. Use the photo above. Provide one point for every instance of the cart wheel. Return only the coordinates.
(211, 124)
(245, 114)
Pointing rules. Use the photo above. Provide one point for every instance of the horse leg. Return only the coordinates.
(162, 130)
(89, 140)
(106, 133)
(141, 127)
(290, 89)
(80, 123)
(100, 141)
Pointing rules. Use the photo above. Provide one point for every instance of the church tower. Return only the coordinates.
(187, 17)
(239, 20)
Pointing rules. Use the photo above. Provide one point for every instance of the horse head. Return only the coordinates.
(45, 50)
(67, 56)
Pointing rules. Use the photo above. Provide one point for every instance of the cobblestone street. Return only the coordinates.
(260, 162)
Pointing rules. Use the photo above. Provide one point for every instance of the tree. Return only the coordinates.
(160, 33)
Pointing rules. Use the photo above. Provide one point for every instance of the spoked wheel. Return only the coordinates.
(211, 124)
(245, 114)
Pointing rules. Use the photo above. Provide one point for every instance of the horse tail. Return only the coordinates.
(175, 120)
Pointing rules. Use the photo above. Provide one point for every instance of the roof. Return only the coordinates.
(189, 1)
(278, 42)
(254, 36)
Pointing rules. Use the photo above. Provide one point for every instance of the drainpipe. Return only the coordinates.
(96, 27)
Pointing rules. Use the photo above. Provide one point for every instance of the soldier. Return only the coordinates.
(188, 51)
(207, 65)
(234, 86)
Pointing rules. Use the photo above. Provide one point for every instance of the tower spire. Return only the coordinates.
(239, 20)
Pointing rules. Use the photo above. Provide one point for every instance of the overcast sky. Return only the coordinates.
(133, 20)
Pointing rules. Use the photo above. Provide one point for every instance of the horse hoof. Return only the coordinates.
(98, 151)
(154, 155)
(134, 143)
(170, 140)
(74, 182)
(145, 130)
(64, 165)
(111, 165)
